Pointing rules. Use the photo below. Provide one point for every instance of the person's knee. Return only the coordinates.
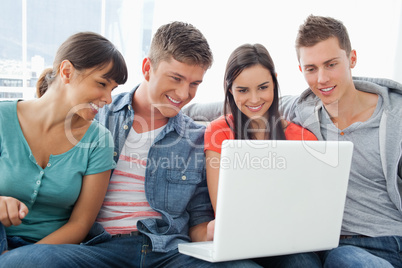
(27, 256)
(17, 258)
(353, 257)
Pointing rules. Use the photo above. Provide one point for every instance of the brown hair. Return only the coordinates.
(183, 42)
(85, 50)
(316, 29)
(242, 58)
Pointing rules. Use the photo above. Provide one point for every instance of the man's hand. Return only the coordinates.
(12, 211)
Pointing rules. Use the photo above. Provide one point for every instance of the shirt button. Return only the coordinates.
(184, 177)
(125, 127)
(342, 133)
(38, 182)
(129, 107)
(115, 153)
(48, 164)
(41, 173)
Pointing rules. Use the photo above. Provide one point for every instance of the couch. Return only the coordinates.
(204, 112)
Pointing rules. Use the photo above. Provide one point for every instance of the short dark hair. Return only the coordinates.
(85, 50)
(316, 29)
(182, 42)
(243, 57)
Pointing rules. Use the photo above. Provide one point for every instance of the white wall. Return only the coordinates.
(398, 56)
(373, 27)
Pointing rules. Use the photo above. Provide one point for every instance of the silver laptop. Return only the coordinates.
(277, 198)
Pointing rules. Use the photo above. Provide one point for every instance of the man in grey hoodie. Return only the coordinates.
(368, 112)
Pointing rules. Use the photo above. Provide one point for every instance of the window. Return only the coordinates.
(10, 95)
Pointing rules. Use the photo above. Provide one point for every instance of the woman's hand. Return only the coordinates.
(12, 211)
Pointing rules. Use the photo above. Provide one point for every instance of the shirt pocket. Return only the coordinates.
(180, 189)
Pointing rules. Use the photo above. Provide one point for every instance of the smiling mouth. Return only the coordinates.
(173, 100)
(327, 89)
(255, 108)
(94, 106)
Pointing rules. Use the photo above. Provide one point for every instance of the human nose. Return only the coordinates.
(255, 97)
(183, 92)
(322, 76)
(107, 98)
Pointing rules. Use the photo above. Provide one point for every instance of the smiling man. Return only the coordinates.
(368, 112)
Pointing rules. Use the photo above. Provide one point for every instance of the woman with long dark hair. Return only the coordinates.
(250, 108)
(251, 112)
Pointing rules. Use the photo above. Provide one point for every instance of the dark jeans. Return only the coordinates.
(365, 252)
(300, 260)
(10, 242)
(103, 250)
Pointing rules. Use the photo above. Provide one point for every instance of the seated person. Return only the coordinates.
(367, 112)
(251, 112)
(55, 165)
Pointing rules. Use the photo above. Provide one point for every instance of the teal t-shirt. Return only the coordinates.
(49, 193)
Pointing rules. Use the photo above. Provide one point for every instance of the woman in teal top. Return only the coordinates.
(55, 161)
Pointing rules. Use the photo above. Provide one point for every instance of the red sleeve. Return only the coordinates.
(217, 131)
(296, 132)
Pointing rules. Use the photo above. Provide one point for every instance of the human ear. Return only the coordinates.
(66, 71)
(300, 69)
(146, 67)
(353, 58)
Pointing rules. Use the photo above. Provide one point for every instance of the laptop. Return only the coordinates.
(277, 198)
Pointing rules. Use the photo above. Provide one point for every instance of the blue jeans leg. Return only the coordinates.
(104, 251)
(174, 259)
(101, 250)
(9, 243)
(300, 260)
(366, 252)
(16, 242)
(111, 253)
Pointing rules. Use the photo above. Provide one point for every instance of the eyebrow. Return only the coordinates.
(184, 78)
(106, 78)
(264, 83)
(325, 62)
(179, 75)
(267, 82)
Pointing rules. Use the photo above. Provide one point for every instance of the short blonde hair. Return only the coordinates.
(182, 42)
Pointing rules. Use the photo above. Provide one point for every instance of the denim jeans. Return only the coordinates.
(367, 252)
(8, 243)
(300, 260)
(105, 251)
